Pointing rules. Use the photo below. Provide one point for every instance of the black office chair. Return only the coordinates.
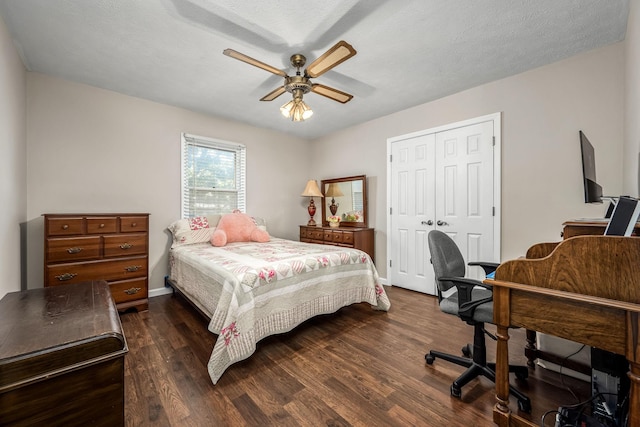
(472, 301)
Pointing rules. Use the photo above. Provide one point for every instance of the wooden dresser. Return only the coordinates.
(62, 353)
(110, 247)
(350, 237)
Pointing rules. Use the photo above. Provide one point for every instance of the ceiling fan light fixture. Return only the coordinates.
(297, 110)
(286, 109)
(307, 113)
(300, 83)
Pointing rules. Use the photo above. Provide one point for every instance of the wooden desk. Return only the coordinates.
(587, 290)
(583, 228)
(61, 357)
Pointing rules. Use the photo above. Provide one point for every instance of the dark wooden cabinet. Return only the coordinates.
(62, 355)
(112, 247)
(350, 237)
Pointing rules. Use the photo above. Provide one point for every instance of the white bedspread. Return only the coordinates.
(252, 290)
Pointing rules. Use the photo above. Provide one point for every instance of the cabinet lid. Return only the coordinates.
(52, 330)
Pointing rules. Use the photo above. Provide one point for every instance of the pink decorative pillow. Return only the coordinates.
(198, 223)
(193, 230)
(237, 227)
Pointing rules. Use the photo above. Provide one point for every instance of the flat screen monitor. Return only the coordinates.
(592, 191)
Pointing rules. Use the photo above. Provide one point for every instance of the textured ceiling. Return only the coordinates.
(409, 51)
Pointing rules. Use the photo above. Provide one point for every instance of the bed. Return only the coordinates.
(252, 290)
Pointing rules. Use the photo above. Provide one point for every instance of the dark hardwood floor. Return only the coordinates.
(356, 367)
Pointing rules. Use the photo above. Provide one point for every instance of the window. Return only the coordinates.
(213, 176)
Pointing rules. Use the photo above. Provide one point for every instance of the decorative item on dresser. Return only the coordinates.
(111, 247)
(350, 237)
(311, 190)
(333, 191)
(348, 201)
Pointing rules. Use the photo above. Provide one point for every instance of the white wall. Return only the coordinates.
(632, 102)
(13, 164)
(542, 112)
(92, 151)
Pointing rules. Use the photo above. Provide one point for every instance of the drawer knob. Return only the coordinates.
(133, 224)
(133, 268)
(66, 276)
(74, 250)
(126, 246)
(101, 225)
(65, 227)
(132, 291)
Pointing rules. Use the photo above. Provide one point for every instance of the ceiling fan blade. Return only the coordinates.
(329, 92)
(249, 60)
(339, 53)
(273, 94)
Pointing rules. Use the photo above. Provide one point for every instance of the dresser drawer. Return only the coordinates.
(125, 245)
(65, 226)
(73, 249)
(110, 270)
(133, 224)
(336, 236)
(128, 290)
(97, 225)
(314, 234)
(347, 237)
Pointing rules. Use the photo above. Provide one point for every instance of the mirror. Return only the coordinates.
(345, 198)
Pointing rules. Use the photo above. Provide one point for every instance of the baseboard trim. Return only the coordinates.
(159, 291)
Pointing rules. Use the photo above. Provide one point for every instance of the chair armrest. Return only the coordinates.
(465, 286)
(467, 311)
(466, 306)
(488, 267)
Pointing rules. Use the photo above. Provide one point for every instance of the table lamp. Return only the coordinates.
(312, 190)
(334, 191)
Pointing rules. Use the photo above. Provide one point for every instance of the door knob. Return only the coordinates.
(441, 223)
(427, 222)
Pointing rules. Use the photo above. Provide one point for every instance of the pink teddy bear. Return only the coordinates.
(237, 227)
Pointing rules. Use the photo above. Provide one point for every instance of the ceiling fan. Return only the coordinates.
(301, 84)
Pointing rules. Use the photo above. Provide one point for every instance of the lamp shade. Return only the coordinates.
(312, 189)
(334, 190)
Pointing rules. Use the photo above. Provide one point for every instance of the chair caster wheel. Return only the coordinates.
(429, 358)
(522, 375)
(456, 391)
(524, 406)
(467, 352)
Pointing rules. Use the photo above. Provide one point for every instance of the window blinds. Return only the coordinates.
(213, 176)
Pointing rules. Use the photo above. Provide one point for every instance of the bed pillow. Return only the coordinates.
(193, 230)
(260, 222)
(238, 227)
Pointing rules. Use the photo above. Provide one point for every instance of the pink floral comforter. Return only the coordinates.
(253, 290)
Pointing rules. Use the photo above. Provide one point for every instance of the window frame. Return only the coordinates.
(239, 151)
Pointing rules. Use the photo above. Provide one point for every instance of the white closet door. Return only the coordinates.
(412, 212)
(442, 179)
(464, 190)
